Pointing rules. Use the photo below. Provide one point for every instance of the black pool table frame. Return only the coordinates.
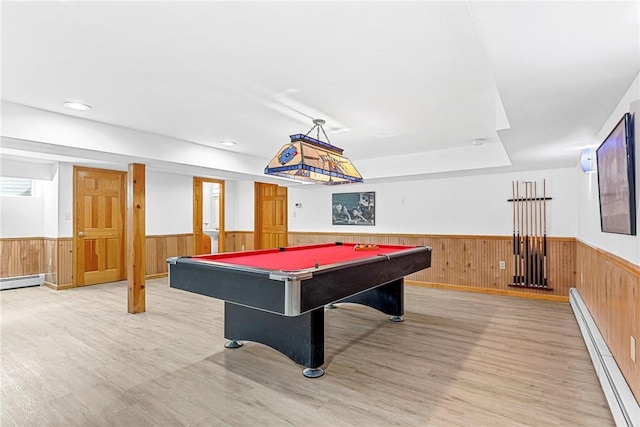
(285, 309)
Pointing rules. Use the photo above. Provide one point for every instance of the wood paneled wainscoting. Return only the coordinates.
(21, 256)
(610, 288)
(38, 255)
(238, 241)
(470, 263)
(58, 262)
(459, 262)
(53, 257)
(159, 248)
(65, 263)
(50, 260)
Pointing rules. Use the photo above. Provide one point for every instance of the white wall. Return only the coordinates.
(65, 200)
(475, 205)
(588, 218)
(23, 216)
(243, 201)
(50, 207)
(49, 213)
(230, 205)
(168, 196)
(32, 170)
(169, 199)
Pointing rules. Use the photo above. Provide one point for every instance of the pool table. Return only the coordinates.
(278, 297)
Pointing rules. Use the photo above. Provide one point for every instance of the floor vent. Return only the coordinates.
(21, 282)
(622, 403)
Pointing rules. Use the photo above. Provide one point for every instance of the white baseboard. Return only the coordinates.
(21, 282)
(623, 405)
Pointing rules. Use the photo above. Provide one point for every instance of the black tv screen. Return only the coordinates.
(616, 179)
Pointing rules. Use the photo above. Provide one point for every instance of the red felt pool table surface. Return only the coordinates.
(299, 257)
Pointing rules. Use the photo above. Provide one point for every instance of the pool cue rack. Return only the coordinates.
(529, 234)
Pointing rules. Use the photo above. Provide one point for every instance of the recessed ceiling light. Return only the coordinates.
(77, 106)
(478, 141)
(228, 143)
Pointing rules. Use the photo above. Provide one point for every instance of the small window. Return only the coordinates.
(16, 187)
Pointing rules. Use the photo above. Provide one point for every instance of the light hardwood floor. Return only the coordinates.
(76, 358)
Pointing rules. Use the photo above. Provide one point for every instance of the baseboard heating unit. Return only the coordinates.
(622, 403)
(21, 282)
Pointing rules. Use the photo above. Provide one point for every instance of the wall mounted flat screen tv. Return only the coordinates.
(616, 179)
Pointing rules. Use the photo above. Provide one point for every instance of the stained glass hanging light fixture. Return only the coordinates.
(312, 160)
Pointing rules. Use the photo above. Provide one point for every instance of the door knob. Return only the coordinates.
(80, 234)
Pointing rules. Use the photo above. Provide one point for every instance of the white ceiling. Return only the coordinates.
(404, 86)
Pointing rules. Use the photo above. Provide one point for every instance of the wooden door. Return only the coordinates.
(270, 216)
(99, 222)
(202, 242)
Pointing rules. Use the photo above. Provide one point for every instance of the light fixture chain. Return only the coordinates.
(317, 124)
(325, 134)
(311, 130)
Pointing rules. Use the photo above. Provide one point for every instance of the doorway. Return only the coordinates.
(99, 207)
(270, 216)
(208, 216)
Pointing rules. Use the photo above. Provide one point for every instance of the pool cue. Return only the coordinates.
(538, 238)
(521, 234)
(516, 233)
(540, 243)
(539, 260)
(513, 197)
(538, 233)
(541, 201)
(515, 262)
(531, 235)
(519, 252)
(526, 234)
(544, 229)
(534, 233)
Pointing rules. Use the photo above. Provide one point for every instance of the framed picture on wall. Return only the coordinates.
(616, 179)
(353, 208)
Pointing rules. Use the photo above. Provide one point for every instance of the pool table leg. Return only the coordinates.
(300, 338)
(233, 344)
(387, 298)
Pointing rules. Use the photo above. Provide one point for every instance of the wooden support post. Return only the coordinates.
(136, 238)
